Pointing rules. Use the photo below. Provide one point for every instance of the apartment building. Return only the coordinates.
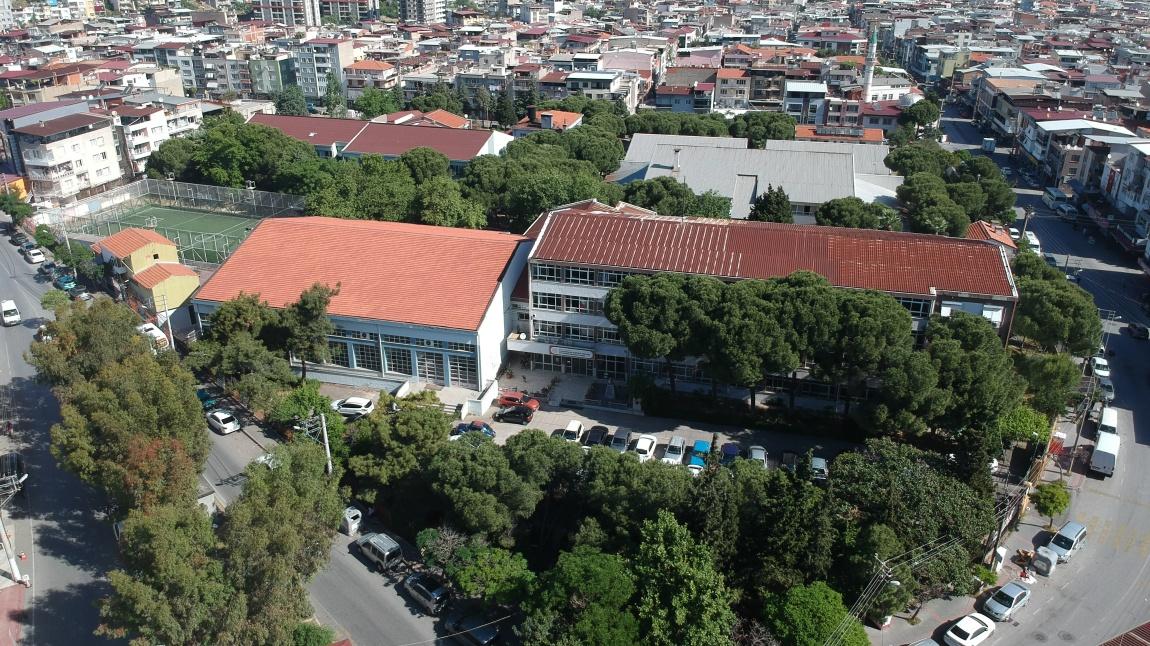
(804, 101)
(349, 11)
(734, 89)
(68, 157)
(581, 251)
(271, 71)
(367, 73)
(316, 58)
(290, 13)
(145, 122)
(424, 12)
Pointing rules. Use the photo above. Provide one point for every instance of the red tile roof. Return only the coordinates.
(125, 242)
(387, 271)
(983, 230)
(317, 131)
(392, 140)
(33, 108)
(906, 263)
(369, 65)
(811, 133)
(449, 119)
(728, 73)
(160, 272)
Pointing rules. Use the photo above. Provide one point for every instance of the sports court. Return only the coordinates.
(200, 235)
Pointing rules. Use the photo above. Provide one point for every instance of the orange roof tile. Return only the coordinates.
(983, 230)
(561, 120)
(387, 271)
(370, 65)
(126, 241)
(449, 119)
(729, 73)
(160, 272)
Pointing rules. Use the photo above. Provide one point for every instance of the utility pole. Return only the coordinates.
(326, 445)
(1027, 213)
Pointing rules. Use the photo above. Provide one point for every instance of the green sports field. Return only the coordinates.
(201, 236)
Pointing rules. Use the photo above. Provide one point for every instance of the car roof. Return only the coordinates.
(730, 447)
(357, 400)
(974, 621)
(818, 462)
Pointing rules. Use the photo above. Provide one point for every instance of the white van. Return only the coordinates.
(1105, 455)
(10, 313)
(1054, 196)
(1109, 421)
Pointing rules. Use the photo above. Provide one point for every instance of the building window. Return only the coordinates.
(367, 357)
(398, 360)
(461, 347)
(427, 343)
(609, 367)
(993, 313)
(583, 305)
(918, 308)
(400, 340)
(549, 273)
(463, 371)
(99, 141)
(543, 301)
(611, 278)
(548, 330)
(577, 276)
(430, 366)
(607, 335)
(580, 333)
(949, 307)
(338, 352)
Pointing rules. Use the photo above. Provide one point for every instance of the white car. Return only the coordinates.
(34, 256)
(645, 447)
(223, 421)
(695, 469)
(1100, 366)
(971, 630)
(268, 460)
(353, 406)
(1015, 234)
(675, 451)
(758, 454)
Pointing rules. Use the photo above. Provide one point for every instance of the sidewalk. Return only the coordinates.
(936, 615)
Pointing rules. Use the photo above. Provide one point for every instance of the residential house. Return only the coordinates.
(147, 270)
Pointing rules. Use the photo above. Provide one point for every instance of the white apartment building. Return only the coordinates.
(290, 13)
(69, 157)
(317, 57)
(423, 11)
(143, 127)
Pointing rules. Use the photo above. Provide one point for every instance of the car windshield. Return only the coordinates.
(571, 434)
(674, 450)
(1003, 599)
(9, 312)
(1063, 541)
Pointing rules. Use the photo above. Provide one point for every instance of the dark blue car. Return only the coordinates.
(476, 426)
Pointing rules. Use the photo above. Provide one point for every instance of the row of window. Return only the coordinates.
(576, 275)
(427, 365)
(562, 303)
(552, 331)
(396, 339)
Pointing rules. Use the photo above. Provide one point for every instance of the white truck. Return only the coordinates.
(1105, 456)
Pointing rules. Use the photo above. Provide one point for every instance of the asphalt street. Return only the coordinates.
(56, 522)
(1105, 590)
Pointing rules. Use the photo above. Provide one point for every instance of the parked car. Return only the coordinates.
(645, 447)
(380, 550)
(18, 238)
(699, 452)
(428, 592)
(1107, 388)
(514, 414)
(597, 435)
(79, 293)
(207, 399)
(1003, 604)
(223, 421)
(675, 451)
(1138, 331)
(474, 627)
(516, 398)
(1015, 234)
(1069, 539)
(620, 440)
(758, 454)
(573, 432)
(9, 313)
(353, 406)
(474, 426)
(729, 452)
(47, 269)
(971, 630)
(65, 281)
(820, 470)
(790, 460)
(1100, 366)
(34, 256)
(1067, 212)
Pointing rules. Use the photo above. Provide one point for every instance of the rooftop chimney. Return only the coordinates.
(675, 167)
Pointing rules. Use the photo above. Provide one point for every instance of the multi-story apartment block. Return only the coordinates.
(290, 13)
(734, 89)
(316, 58)
(423, 11)
(804, 101)
(68, 157)
(581, 251)
(1054, 146)
(348, 11)
(32, 87)
(271, 71)
(146, 121)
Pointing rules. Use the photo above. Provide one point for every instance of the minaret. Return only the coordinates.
(871, 62)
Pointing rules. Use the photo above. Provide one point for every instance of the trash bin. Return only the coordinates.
(1045, 560)
(351, 519)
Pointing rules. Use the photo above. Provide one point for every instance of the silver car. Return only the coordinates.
(1002, 605)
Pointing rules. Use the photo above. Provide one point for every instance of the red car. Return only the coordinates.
(516, 398)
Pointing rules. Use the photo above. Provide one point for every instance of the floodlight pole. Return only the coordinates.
(10, 552)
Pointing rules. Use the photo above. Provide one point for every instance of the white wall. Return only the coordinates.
(498, 321)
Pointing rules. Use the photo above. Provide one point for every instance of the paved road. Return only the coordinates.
(69, 549)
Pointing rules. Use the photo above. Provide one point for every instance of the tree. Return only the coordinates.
(969, 196)
(1058, 315)
(1051, 379)
(172, 589)
(600, 147)
(479, 488)
(1024, 424)
(308, 325)
(425, 164)
(854, 213)
(53, 299)
(773, 205)
(664, 195)
(442, 97)
(85, 341)
(654, 317)
(388, 447)
(334, 98)
(17, 209)
(1051, 499)
(712, 205)
(374, 102)
(505, 110)
(276, 536)
(920, 156)
(230, 153)
(439, 202)
(922, 114)
(760, 126)
(291, 102)
(974, 368)
(808, 615)
(682, 598)
(493, 574)
(574, 598)
(306, 634)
